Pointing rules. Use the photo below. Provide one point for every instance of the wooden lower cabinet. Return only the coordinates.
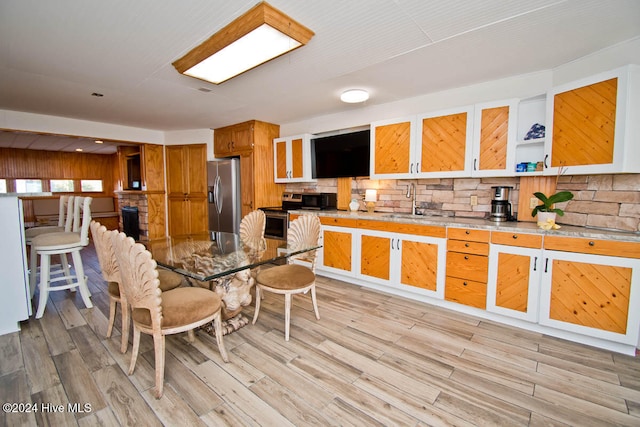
(467, 267)
(187, 216)
(515, 264)
(419, 263)
(337, 250)
(579, 289)
(404, 260)
(591, 294)
(465, 291)
(375, 256)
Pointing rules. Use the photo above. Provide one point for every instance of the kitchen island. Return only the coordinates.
(576, 283)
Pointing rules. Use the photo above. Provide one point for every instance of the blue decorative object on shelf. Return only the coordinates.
(536, 131)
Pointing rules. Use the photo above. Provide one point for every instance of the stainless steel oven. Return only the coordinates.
(277, 218)
(276, 223)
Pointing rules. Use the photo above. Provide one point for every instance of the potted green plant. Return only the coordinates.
(547, 211)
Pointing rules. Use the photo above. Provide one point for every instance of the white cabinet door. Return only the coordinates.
(513, 288)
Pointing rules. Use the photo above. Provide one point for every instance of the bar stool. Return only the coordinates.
(65, 224)
(65, 219)
(62, 244)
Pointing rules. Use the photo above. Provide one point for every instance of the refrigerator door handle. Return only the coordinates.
(218, 198)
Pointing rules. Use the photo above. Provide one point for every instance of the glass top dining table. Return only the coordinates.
(211, 255)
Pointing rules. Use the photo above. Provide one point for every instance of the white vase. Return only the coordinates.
(545, 218)
(354, 205)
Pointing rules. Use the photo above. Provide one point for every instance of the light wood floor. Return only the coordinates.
(372, 359)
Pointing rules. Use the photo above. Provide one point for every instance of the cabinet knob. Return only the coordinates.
(466, 245)
(467, 232)
(466, 257)
(515, 236)
(464, 283)
(592, 243)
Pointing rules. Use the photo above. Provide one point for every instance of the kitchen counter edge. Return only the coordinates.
(479, 223)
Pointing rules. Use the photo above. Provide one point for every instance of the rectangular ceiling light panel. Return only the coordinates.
(258, 36)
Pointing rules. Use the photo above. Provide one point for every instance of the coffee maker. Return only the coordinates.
(500, 205)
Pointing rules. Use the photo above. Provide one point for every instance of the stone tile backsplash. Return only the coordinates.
(610, 201)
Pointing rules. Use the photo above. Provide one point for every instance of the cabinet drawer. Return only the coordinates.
(470, 234)
(468, 247)
(593, 246)
(533, 241)
(398, 227)
(339, 222)
(465, 266)
(466, 292)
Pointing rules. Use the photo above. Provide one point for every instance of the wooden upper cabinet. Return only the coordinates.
(143, 164)
(445, 139)
(253, 142)
(292, 159)
(281, 159)
(186, 170)
(392, 149)
(584, 122)
(233, 140)
(444, 143)
(153, 167)
(592, 124)
(494, 138)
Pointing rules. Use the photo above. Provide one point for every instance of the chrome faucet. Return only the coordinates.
(411, 192)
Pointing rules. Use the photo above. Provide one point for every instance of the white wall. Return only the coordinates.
(17, 120)
(522, 86)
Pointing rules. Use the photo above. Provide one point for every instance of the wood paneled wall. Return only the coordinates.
(34, 164)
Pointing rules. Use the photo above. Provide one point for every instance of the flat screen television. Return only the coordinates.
(339, 156)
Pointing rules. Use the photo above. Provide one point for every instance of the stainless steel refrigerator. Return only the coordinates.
(223, 181)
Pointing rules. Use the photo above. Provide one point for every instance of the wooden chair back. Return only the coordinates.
(102, 241)
(138, 276)
(252, 230)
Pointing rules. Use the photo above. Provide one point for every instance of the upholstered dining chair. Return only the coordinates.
(111, 274)
(63, 243)
(160, 313)
(293, 278)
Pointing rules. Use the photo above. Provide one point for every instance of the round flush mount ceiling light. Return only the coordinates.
(353, 96)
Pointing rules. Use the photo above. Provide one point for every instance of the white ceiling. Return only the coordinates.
(55, 54)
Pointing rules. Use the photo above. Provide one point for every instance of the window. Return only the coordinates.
(28, 186)
(61, 185)
(91, 185)
(3, 185)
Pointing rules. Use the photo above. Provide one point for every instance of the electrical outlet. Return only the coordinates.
(533, 202)
(474, 201)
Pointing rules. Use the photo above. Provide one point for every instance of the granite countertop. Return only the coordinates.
(485, 224)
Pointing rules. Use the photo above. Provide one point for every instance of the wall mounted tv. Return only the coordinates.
(342, 155)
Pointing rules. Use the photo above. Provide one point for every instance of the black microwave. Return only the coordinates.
(319, 201)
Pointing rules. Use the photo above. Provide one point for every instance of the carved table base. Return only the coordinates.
(228, 326)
